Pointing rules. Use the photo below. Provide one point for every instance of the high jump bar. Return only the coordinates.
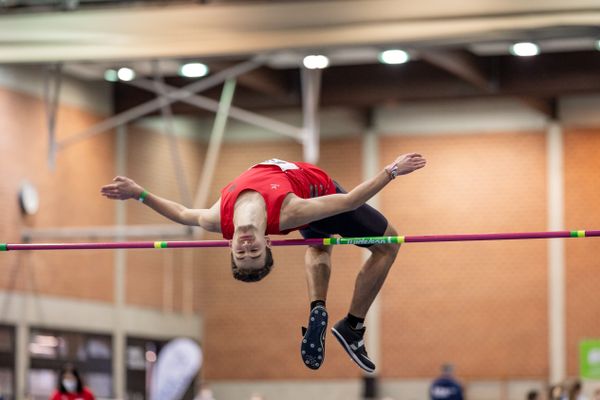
(302, 242)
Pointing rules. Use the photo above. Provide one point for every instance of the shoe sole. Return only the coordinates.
(312, 348)
(346, 347)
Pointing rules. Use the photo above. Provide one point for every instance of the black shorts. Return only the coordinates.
(362, 222)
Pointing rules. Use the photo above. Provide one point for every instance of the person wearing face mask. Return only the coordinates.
(70, 386)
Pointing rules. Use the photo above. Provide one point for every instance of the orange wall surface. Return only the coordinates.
(69, 196)
(482, 306)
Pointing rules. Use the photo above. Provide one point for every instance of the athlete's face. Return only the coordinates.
(248, 249)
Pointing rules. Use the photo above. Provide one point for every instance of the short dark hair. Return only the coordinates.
(253, 275)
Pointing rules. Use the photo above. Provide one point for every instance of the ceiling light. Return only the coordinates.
(598, 45)
(193, 70)
(111, 75)
(315, 62)
(524, 49)
(394, 57)
(126, 74)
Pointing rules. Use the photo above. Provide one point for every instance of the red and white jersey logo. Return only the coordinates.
(284, 165)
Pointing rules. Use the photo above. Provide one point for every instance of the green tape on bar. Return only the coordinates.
(364, 240)
(3, 247)
(160, 245)
(578, 234)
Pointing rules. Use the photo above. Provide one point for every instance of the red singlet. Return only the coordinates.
(85, 395)
(274, 179)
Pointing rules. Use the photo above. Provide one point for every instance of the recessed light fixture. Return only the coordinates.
(394, 56)
(110, 75)
(524, 49)
(126, 74)
(193, 70)
(315, 61)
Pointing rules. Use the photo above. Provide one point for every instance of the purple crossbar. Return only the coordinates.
(147, 245)
(498, 236)
(293, 242)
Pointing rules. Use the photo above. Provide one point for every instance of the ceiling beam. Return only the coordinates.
(262, 80)
(546, 107)
(545, 77)
(248, 27)
(460, 63)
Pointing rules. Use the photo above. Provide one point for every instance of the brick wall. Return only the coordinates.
(439, 301)
(68, 197)
(479, 305)
(582, 196)
(458, 302)
(154, 279)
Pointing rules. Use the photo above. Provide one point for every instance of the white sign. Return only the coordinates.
(177, 365)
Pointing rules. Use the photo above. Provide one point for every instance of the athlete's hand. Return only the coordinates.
(122, 188)
(407, 163)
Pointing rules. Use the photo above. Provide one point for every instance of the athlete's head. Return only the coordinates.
(251, 257)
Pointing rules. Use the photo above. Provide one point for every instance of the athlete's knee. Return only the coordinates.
(318, 256)
(387, 250)
(319, 249)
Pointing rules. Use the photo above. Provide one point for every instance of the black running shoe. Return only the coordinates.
(352, 341)
(312, 348)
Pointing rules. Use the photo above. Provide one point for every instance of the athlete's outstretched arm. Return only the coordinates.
(299, 211)
(124, 188)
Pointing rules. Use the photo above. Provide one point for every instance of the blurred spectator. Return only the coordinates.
(70, 386)
(597, 394)
(533, 395)
(575, 392)
(557, 392)
(446, 387)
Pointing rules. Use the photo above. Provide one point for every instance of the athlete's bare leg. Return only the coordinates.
(349, 331)
(318, 270)
(372, 275)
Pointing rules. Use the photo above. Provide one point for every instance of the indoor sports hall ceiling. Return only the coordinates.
(458, 50)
